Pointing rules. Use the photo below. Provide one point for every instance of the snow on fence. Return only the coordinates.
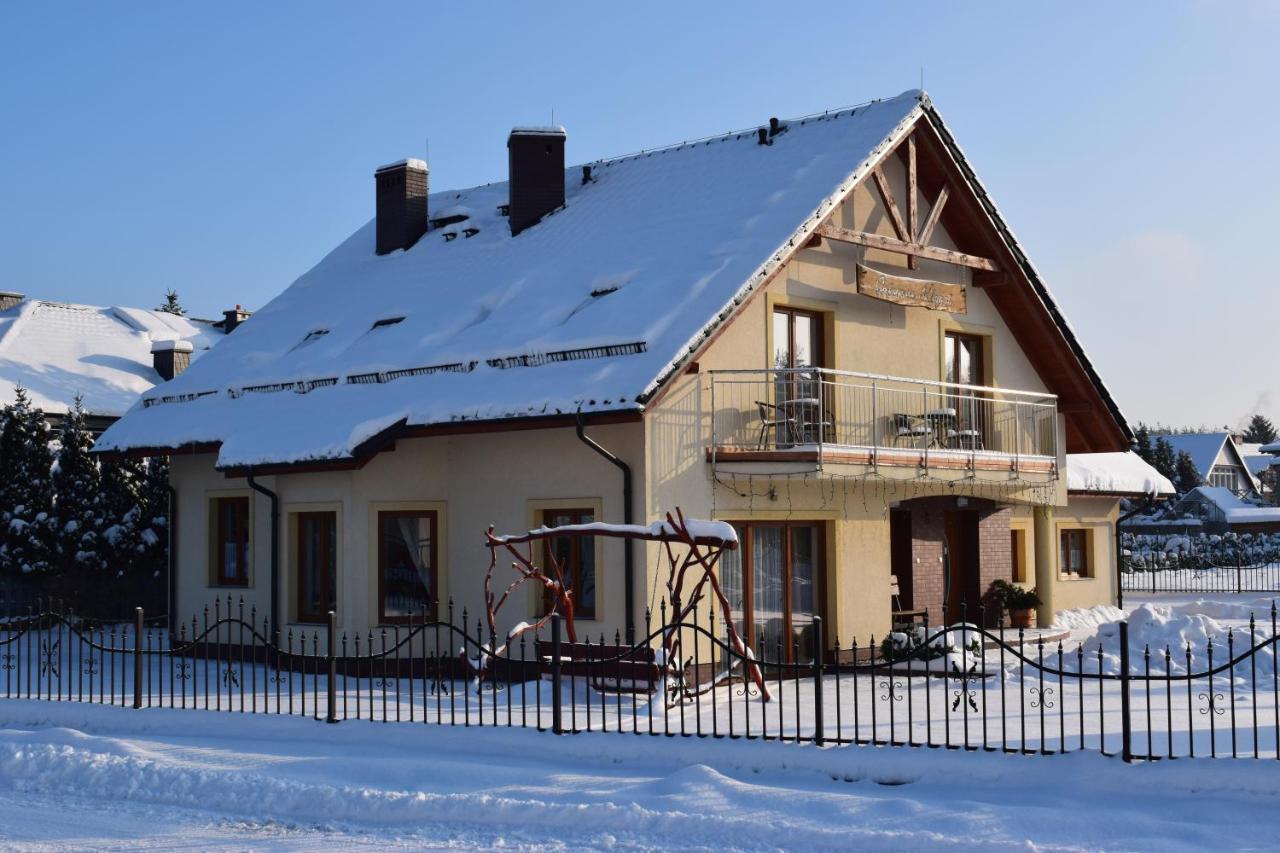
(960, 687)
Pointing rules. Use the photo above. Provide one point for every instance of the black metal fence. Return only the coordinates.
(957, 687)
(1224, 564)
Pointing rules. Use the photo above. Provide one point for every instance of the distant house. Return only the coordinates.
(109, 356)
(1220, 510)
(1218, 459)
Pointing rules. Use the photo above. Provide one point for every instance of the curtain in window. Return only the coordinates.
(406, 564)
(804, 560)
(767, 581)
(731, 586)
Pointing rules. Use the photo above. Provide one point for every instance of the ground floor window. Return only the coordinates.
(1018, 555)
(1075, 553)
(773, 585)
(317, 562)
(231, 541)
(407, 563)
(577, 556)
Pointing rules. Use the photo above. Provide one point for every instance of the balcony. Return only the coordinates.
(820, 417)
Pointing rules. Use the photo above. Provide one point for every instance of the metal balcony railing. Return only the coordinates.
(818, 408)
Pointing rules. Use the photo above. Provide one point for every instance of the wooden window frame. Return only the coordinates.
(952, 339)
(1064, 552)
(819, 331)
(745, 529)
(573, 566)
(244, 517)
(330, 602)
(433, 600)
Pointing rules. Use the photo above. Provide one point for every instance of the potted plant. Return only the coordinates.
(1014, 600)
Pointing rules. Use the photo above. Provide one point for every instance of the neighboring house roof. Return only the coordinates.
(1234, 510)
(1273, 448)
(1204, 448)
(1259, 462)
(1124, 473)
(57, 350)
(593, 309)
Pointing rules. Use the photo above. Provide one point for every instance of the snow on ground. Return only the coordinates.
(110, 778)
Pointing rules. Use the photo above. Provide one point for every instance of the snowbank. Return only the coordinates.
(426, 786)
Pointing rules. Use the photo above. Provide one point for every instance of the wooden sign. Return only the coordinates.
(934, 295)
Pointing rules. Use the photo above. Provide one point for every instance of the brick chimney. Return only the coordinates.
(536, 160)
(170, 358)
(233, 318)
(402, 204)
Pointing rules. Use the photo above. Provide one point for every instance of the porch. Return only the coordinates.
(819, 417)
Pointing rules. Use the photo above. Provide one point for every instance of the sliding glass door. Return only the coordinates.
(773, 586)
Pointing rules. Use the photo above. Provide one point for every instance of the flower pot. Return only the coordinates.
(1021, 618)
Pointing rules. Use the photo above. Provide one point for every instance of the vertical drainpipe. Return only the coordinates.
(172, 591)
(628, 552)
(275, 552)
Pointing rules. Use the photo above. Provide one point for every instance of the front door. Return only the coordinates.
(961, 544)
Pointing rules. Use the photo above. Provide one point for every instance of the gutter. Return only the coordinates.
(275, 551)
(628, 552)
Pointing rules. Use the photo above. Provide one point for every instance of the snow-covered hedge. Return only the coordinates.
(1151, 551)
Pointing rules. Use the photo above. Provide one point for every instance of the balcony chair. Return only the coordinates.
(912, 428)
(964, 439)
(771, 417)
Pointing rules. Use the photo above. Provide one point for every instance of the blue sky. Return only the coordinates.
(223, 150)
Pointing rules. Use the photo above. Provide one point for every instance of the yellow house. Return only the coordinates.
(820, 330)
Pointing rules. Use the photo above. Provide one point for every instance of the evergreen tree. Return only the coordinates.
(26, 494)
(1143, 443)
(78, 513)
(1260, 431)
(122, 481)
(1188, 476)
(1163, 459)
(172, 305)
(152, 556)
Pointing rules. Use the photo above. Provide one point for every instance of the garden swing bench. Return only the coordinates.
(692, 549)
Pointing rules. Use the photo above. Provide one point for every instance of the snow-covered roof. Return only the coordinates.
(1123, 473)
(1259, 462)
(1234, 509)
(56, 350)
(1203, 447)
(1273, 448)
(590, 310)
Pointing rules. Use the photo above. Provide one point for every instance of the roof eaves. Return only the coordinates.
(1028, 268)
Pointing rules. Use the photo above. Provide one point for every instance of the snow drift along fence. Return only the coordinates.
(956, 687)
